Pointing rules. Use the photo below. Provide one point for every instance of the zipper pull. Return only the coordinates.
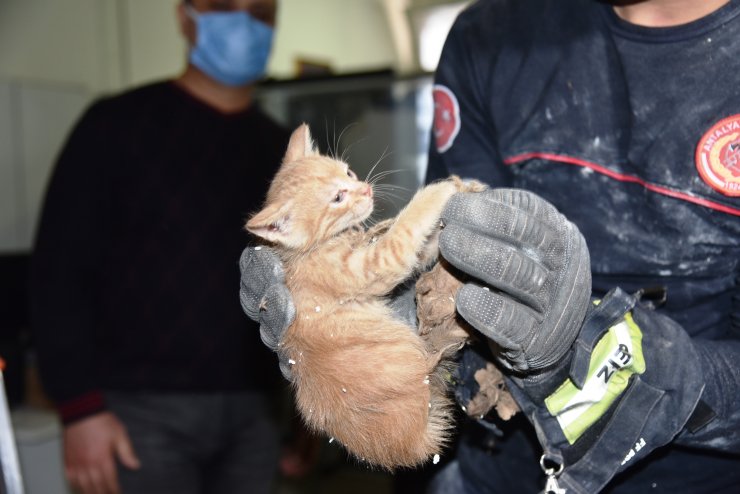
(551, 485)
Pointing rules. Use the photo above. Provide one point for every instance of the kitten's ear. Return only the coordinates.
(272, 223)
(300, 145)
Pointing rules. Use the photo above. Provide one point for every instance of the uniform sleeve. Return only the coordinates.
(720, 361)
(463, 140)
(65, 261)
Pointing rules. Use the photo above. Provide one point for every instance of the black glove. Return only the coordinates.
(266, 299)
(603, 384)
(536, 266)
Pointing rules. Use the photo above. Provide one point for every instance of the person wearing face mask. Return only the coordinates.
(159, 380)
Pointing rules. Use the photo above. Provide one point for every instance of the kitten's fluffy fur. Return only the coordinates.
(361, 375)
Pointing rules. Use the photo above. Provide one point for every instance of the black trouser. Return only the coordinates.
(220, 443)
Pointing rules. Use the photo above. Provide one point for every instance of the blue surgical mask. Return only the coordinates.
(231, 47)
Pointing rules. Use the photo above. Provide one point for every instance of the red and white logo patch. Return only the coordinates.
(446, 117)
(718, 156)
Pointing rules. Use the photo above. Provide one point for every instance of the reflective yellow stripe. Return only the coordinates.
(617, 356)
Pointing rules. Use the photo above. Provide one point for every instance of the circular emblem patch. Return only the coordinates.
(718, 156)
(446, 117)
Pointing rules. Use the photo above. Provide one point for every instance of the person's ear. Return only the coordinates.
(185, 22)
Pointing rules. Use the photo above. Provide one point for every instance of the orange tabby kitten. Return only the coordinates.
(361, 375)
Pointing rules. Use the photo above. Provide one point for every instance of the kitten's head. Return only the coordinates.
(311, 198)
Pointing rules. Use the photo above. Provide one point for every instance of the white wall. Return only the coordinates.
(35, 118)
(151, 44)
(71, 42)
(8, 200)
(55, 56)
(105, 45)
(350, 35)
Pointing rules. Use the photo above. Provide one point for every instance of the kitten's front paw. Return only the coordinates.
(471, 185)
(467, 185)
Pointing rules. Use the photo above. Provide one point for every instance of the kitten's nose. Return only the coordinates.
(368, 191)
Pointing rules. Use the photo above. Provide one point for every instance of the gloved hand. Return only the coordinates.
(266, 299)
(537, 268)
(603, 384)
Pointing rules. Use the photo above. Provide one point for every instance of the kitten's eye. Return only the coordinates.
(351, 174)
(340, 196)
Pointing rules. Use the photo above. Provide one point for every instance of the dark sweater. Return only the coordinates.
(134, 273)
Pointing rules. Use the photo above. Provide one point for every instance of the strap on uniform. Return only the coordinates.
(615, 304)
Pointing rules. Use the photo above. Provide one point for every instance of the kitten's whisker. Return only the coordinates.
(382, 157)
(347, 149)
(382, 175)
(339, 140)
(336, 142)
(389, 197)
(383, 188)
(387, 185)
(331, 143)
(381, 216)
(334, 134)
(373, 220)
(393, 200)
(385, 173)
(326, 129)
(369, 222)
